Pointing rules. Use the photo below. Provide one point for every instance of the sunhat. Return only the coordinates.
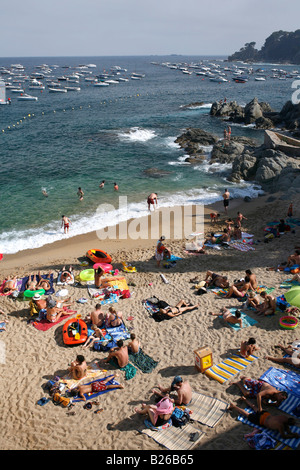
(36, 297)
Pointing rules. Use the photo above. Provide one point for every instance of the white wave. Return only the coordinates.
(137, 134)
(109, 216)
(197, 106)
(170, 142)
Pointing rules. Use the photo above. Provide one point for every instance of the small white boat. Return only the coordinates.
(57, 90)
(101, 84)
(72, 88)
(259, 79)
(26, 97)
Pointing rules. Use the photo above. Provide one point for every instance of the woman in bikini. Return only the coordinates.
(179, 308)
(115, 318)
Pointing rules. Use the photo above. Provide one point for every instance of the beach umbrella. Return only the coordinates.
(293, 296)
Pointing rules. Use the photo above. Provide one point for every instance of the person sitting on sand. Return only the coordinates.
(217, 280)
(268, 306)
(225, 238)
(96, 387)
(158, 414)
(237, 233)
(248, 347)
(229, 223)
(36, 304)
(228, 317)
(10, 285)
(180, 307)
(114, 318)
(294, 259)
(261, 390)
(66, 274)
(212, 240)
(134, 346)
(118, 354)
(252, 300)
(241, 290)
(97, 316)
(44, 282)
(78, 368)
(93, 337)
(182, 388)
(54, 311)
(293, 359)
(252, 277)
(280, 423)
(295, 278)
(98, 273)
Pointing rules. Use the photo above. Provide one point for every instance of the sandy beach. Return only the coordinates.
(33, 357)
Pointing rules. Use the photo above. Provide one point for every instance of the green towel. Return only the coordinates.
(144, 362)
(129, 370)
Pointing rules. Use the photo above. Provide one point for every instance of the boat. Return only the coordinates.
(259, 79)
(98, 256)
(75, 331)
(57, 90)
(101, 84)
(240, 80)
(72, 88)
(3, 99)
(26, 97)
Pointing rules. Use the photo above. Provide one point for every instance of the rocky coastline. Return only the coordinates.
(273, 167)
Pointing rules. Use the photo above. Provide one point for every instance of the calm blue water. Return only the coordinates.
(113, 133)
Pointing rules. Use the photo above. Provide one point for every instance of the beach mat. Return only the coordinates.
(44, 324)
(241, 246)
(44, 276)
(282, 379)
(229, 367)
(206, 410)
(93, 371)
(246, 321)
(174, 438)
(293, 443)
(129, 370)
(144, 362)
(95, 395)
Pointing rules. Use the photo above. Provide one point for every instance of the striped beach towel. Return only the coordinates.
(206, 410)
(293, 443)
(174, 438)
(229, 367)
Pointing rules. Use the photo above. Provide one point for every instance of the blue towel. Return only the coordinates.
(246, 320)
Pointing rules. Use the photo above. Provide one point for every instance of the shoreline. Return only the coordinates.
(76, 246)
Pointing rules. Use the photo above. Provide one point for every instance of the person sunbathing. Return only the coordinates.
(158, 414)
(280, 423)
(228, 317)
(182, 388)
(261, 390)
(268, 306)
(54, 311)
(212, 240)
(97, 386)
(293, 356)
(252, 300)
(241, 290)
(93, 337)
(44, 282)
(294, 259)
(78, 368)
(119, 354)
(66, 274)
(114, 318)
(10, 285)
(179, 308)
(31, 284)
(217, 280)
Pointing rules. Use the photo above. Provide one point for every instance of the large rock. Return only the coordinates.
(252, 111)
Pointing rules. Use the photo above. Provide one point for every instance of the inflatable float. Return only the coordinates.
(128, 268)
(75, 331)
(105, 266)
(98, 256)
(87, 275)
(28, 294)
(288, 322)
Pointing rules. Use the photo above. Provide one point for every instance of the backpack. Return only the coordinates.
(180, 417)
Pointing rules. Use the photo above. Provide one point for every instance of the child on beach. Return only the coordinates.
(248, 347)
(93, 337)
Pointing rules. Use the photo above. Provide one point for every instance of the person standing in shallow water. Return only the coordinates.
(226, 196)
(80, 194)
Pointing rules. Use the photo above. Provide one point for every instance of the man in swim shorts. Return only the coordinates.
(151, 200)
(65, 223)
(97, 386)
(261, 390)
(182, 388)
(226, 196)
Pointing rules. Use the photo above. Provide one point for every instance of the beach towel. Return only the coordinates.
(229, 367)
(246, 321)
(175, 438)
(44, 276)
(129, 370)
(206, 410)
(282, 379)
(241, 246)
(92, 396)
(93, 371)
(144, 362)
(44, 324)
(293, 443)
(2, 325)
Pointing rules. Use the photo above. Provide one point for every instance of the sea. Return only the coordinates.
(122, 133)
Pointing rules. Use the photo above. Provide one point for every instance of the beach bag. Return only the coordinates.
(180, 417)
(59, 400)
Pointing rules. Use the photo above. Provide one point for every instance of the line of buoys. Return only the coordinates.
(30, 115)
